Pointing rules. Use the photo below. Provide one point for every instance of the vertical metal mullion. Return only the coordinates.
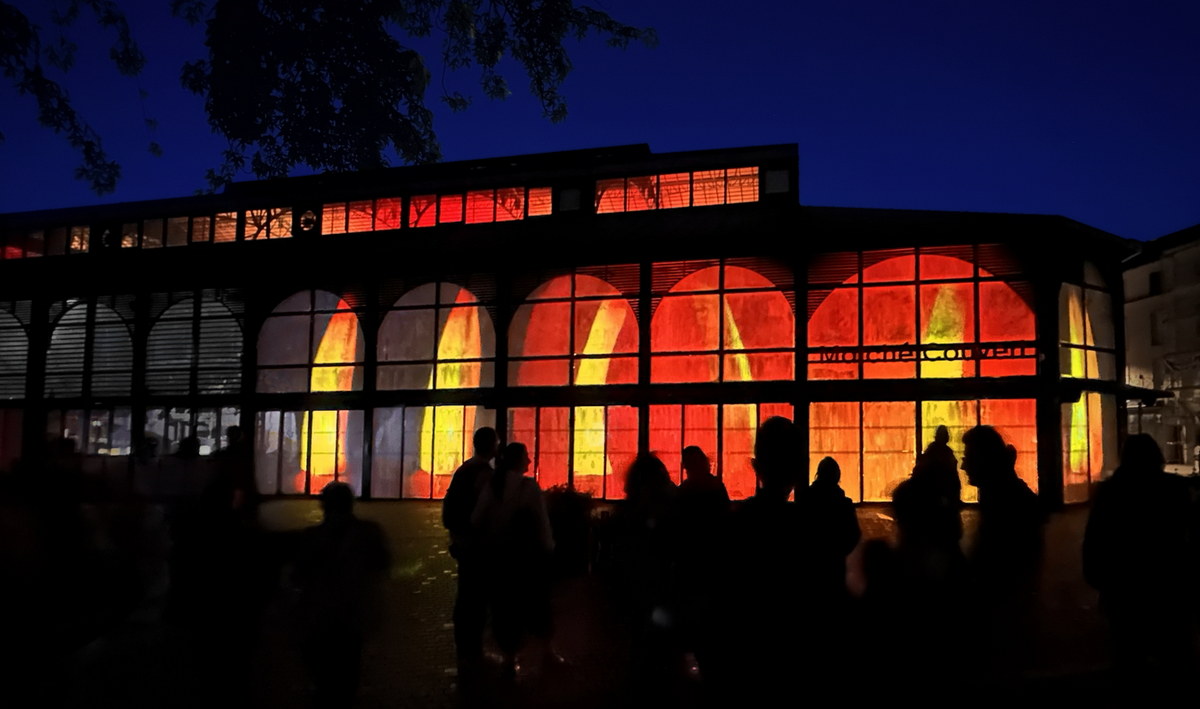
(861, 308)
(571, 447)
(918, 335)
(721, 320)
(604, 460)
(862, 453)
(645, 345)
(721, 443)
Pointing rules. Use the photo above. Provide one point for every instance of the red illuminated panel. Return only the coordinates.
(1016, 421)
(621, 426)
(888, 320)
(675, 190)
(14, 247)
(833, 430)
(935, 267)
(510, 204)
(738, 427)
(422, 211)
(481, 206)
(748, 321)
(333, 218)
(610, 196)
(708, 187)
(553, 446)
(450, 209)
(640, 195)
(540, 201)
(600, 328)
(361, 216)
(387, 214)
(958, 417)
(743, 185)
(81, 236)
(896, 268)
(888, 448)
(834, 324)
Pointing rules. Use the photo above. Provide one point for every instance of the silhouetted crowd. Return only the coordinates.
(724, 603)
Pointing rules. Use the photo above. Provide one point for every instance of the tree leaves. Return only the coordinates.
(323, 84)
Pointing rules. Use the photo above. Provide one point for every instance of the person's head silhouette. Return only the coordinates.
(1141, 454)
(986, 459)
(337, 502)
(486, 443)
(828, 471)
(941, 435)
(776, 450)
(696, 463)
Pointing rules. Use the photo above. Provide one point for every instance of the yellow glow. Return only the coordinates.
(947, 324)
(590, 428)
(446, 429)
(323, 433)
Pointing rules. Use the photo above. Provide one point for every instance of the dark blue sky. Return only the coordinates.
(1086, 109)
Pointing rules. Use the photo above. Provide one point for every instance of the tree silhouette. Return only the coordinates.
(326, 84)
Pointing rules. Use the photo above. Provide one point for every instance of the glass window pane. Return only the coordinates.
(387, 214)
(540, 201)
(888, 447)
(641, 193)
(450, 209)
(266, 451)
(833, 430)
(225, 227)
(743, 185)
(1099, 319)
(333, 218)
(510, 204)
(177, 231)
(739, 426)
(889, 318)
(80, 238)
(708, 187)
(553, 442)
(481, 206)
(361, 216)
(1003, 314)
(610, 196)
(894, 268)
(201, 228)
(674, 190)
(422, 211)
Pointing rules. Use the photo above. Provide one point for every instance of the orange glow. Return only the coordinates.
(682, 189)
(889, 318)
(446, 430)
(690, 326)
(888, 450)
(540, 201)
(323, 433)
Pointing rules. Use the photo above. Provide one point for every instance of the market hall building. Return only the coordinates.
(591, 304)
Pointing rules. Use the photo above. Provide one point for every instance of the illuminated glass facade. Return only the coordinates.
(592, 305)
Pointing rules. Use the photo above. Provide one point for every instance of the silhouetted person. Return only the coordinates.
(470, 604)
(1005, 558)
(755, 655)
(343, 562)
(703, 521)
(647, 528)
(831, 528)
(516, 544)
(916, 597)
(939, 464)
(188, 448)
(1136, 554)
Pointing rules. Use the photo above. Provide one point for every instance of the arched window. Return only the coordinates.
(437, 336)
(903, 314)
(194, 347)
(90, 354)
(573, 329)
(722, 323)
(311, 342)
(14, 352)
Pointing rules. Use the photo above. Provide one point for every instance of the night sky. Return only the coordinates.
(1086, 109)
